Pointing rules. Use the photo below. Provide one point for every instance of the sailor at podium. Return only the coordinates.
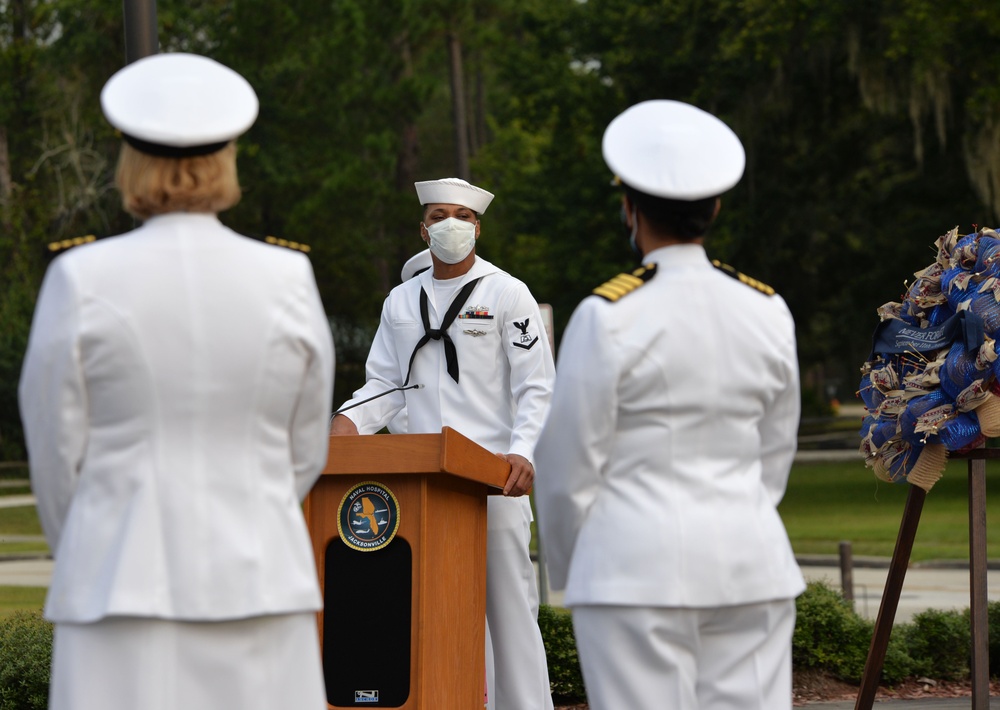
(471, 335)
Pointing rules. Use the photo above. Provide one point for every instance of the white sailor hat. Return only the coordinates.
(178, 104)
(674, 150)
(453, 191)
(417, 263)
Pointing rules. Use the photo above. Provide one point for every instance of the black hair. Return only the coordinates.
(683, 219)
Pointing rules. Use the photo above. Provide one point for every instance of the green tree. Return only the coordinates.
(870, 129)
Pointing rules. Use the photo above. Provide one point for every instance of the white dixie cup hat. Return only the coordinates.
(453, 191)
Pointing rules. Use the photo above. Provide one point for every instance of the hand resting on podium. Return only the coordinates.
(519, 482)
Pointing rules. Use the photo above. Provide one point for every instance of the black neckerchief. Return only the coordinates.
(441, 333)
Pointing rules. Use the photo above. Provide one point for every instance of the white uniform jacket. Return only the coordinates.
(669, 443)
(504, 359)
(175, 397)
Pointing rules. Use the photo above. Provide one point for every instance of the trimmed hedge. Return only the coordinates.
(830, 636)
(25, 660)
(565, 676)
(940, 643)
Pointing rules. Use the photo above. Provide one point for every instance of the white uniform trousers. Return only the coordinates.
(520, 676)
(133, 663)
(725, 658)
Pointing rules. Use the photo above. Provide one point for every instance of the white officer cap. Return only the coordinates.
(674, 150)
(415, 264)
(178, 104)
(453, 191)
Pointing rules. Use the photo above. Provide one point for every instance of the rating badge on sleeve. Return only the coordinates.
(526, 340)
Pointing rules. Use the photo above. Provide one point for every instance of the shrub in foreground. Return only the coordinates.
(25, 658)
(565, 676)
(830, 636)
(939, 642)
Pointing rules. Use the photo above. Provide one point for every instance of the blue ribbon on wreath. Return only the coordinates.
(893, 337)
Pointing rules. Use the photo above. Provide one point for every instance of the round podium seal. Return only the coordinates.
(368, 517)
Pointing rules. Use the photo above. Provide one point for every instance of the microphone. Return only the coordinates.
(380, 394)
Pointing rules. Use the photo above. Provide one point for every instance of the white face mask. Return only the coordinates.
(451, 240)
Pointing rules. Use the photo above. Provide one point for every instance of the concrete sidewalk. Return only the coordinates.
(34, 572)
(16, 501)
(924, 587)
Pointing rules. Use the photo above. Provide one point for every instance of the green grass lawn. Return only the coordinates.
(830, 502)
(21, 598)
(20, 521)
(827, 503)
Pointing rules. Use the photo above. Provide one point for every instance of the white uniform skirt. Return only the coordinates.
(126, 663)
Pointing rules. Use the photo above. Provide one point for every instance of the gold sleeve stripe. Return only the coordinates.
(609, 293)
(297, 246)
(67, 243)
(623, 284)
(743, 278)
(627, 281)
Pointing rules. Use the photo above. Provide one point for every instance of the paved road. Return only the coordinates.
(928, 704)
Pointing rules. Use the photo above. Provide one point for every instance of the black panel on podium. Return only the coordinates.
(366, 625)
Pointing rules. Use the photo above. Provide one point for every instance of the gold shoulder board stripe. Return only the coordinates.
(297, 246)
(623, 284)
(64, 244)
(743, 278)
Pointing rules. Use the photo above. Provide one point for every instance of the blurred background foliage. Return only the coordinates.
(871, 127)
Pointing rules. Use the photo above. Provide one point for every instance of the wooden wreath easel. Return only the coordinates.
(980, 670)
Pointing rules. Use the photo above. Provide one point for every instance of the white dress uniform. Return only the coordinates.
(668, 446)
(666, 451)
(175, 397)
(500, 402)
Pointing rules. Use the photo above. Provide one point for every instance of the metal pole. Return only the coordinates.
(847, 570)
(140, 29)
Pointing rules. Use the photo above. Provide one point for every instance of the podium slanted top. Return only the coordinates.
(448, 452)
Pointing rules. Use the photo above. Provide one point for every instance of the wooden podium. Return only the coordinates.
(404, 619)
